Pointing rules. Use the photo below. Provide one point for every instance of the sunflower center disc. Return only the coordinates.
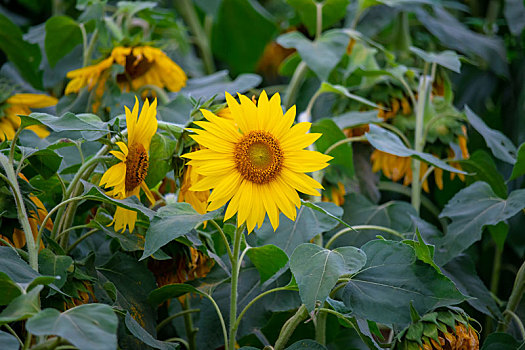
(135, 68)
(137, 164)
(258, 157)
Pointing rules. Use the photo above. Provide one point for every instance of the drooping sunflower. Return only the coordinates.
(143, 65)
(21, 104)
(127, 177)
(257, 161)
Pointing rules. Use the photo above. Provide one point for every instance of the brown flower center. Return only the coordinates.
(136, 66)
(137, 164)
(258, 157)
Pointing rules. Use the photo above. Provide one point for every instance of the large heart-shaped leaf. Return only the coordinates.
(392, 272)
(316, 271)
(470, 210)
(8, 341)
(170, 222)
(268, 260)
(308, 223)
(321, 55)
(88, 327)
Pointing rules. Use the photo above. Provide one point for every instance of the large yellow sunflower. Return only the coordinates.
(257, 161)
(20, 104)
(127, 177)
(143, 65)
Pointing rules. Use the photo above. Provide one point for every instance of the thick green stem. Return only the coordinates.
(320, 327)
(362, 227)
(290, 326)
(515, 297)
(191, 332)
(12, 180)
(295, 84)
(235, 262)
(186, 9)
(418, 140)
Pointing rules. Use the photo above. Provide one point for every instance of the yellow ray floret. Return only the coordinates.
(256, 160)
(127, 177)
(21, 104)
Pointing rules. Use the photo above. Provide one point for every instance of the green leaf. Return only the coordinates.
(242, 47)
(423, 251)
(343, 156)
(133, 282)
(90, 125)
(170, 222)
(500, 341)
(462, 271)
(316, 271)
(353, 119)
(216, 84)
(268, 260)
(25, 56)
(62, 35)
(482, 167)
(13, 266)
(45, 162)
(170, 291)
(447, 59)
(132, 203)
(341, 90)
(54, 265)
(500, 145)
(161, 151)
(499, 233)
(306, 344)
(145, 337)
(332, 11)
(321, 55)
(389, 142)
(308, 223)
(519, 167)
(322, 210)
(514, 12)
(10, 289)
(354, 258)
(470, 210)
(8, 341)
(392, 272)
(89, 326)
(22, 307)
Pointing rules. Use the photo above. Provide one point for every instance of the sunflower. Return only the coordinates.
(257, 162)
(20, 104)
(143, 65)
(127, 177)
(197, 199)
(335, 194)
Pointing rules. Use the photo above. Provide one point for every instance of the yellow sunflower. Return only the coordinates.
(336, 194)
(127, 177)
(143, 65)
(197, 199)
(257, 162)
(20, 104)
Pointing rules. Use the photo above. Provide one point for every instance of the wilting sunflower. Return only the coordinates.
(143, 65)
(127, 177)
(257, 162)
(20, 104)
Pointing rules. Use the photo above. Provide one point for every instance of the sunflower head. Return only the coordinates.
(127, 177)
(256, 160)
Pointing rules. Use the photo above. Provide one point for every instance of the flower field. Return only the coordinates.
(262, 174)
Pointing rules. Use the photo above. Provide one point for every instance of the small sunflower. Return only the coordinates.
(21, 104)
(127, 177)
(143, 65)
(257, 162)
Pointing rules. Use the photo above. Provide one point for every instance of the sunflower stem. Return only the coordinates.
(515, 297)
(235, 262)
(320, 326)
(290, 326)
(295, 84)
(186, 9)
(12, 181)
(424, 82)
(362, 227)
(494, 281)
(191, 332)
